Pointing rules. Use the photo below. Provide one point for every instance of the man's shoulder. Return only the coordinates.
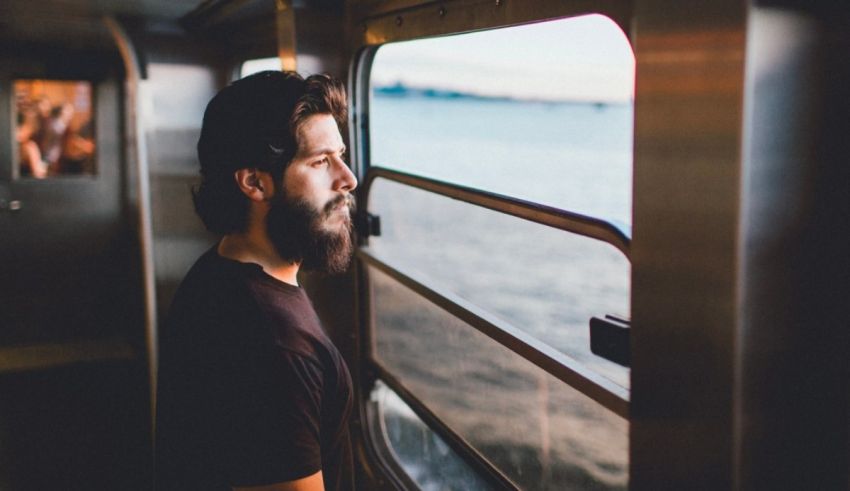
(207, 265)
(210, 293)
(220, 297)
(210, 276)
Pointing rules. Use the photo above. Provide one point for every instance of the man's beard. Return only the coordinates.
(296, 230)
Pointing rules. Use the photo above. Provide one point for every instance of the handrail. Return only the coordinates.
(567, 221)
(593, 385)
(137, 152)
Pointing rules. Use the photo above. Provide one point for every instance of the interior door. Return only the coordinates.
(66, 249)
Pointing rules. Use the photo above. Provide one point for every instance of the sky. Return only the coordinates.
(585, 58)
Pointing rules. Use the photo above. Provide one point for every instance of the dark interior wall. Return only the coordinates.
(794, 402)
(81, 426)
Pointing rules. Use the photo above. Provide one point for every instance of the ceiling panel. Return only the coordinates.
(77, 22)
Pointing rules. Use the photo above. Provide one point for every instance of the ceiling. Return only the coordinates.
(54, 24)
(78, 22)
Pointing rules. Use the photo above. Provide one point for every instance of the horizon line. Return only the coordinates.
(400, 89)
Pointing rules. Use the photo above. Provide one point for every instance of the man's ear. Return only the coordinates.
(257, 185)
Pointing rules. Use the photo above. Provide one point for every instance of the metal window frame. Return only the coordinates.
(576, 223)
(387, 457)
(398, 21)
(377, 442)
(458, 443)
(608, 394)
(401, 20)
(605, 392)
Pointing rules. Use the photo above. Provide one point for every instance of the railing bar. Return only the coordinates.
(567, 221)
(466, 450)
(595, 386)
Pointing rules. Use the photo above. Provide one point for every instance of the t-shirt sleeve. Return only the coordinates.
(274, 421)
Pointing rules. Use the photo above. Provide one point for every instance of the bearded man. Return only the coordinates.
(252, 394)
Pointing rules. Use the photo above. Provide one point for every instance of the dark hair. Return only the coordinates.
(253, 123)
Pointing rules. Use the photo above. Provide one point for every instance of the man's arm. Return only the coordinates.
(309, 483)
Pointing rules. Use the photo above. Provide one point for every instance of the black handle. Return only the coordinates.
(609, 338)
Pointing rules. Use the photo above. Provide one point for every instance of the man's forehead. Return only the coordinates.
(318, 130)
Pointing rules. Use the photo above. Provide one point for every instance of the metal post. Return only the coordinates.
(135, 145)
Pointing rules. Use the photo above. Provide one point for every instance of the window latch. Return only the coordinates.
(368, 225)
(609, 338)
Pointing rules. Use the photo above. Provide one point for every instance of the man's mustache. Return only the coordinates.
(348, 199)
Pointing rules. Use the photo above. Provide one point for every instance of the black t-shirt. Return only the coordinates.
(251, 391)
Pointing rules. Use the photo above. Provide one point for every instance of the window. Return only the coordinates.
(533, 428)
(541, 112)
(544, 281)
(500, 168)
(425, 457)
(259, 65)
(54, 129)
(306, 65)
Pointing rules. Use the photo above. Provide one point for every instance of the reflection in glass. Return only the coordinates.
(54, 128)
(538, 431)
(423, 455)
(544, 281)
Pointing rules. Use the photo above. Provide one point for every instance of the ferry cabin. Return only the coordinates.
(717, 360)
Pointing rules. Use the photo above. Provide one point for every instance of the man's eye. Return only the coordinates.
(323, 161)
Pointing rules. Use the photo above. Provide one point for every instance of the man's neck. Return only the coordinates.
(254, 248)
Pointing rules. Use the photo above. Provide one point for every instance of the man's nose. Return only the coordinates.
(345, 179)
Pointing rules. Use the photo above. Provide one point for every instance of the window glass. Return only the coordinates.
(306, 65)
(541, 112)
(538, 431)
(423, 455)
(545, 281)
(259, 65)
(544, 113)
(54, 129)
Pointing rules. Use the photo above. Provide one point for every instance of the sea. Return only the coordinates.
(576, 156)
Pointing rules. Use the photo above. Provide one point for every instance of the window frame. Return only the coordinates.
(385, 28)
(605, 392)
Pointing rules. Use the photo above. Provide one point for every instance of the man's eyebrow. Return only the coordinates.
(323, 150)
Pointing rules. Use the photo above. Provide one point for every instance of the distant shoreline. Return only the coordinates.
(400, 90)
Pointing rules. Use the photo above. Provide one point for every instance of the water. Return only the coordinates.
(572, 156)
(577, 157)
